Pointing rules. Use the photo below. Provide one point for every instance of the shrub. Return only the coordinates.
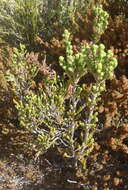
(57, 110)
(23, 20)
(20, 21)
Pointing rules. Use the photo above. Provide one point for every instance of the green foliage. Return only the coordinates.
(76, 64)
(20, 21)
(100, 21)
(34, 109)
(45, 112)
(21, 74)
(64, 10)
(100, 63)
(65, 14)
(62, 107)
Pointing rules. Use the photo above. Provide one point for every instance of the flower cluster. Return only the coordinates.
(74, 65)
(100, 21)
(100, 62)
(92, 58)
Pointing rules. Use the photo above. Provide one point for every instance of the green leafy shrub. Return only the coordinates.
(100, 63)
(20, 21)
(100, 22)
(63, 14)
(45, 112)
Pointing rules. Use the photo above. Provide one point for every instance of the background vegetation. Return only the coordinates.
(60, 85)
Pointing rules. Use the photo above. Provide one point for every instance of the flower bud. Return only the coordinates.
(61, 58)
(99, 66)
